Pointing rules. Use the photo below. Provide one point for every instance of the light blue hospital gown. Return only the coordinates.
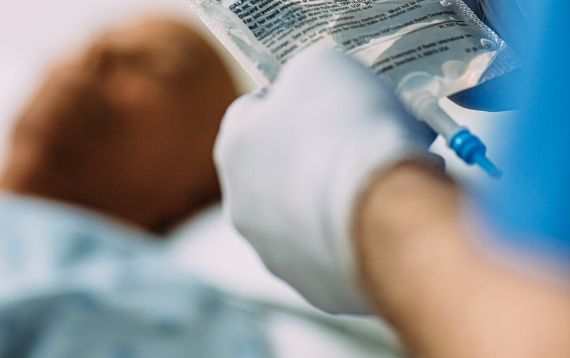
(73, 284)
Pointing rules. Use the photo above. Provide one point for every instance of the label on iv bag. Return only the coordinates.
(285, 27)
(440, 39)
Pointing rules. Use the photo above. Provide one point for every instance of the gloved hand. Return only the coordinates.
(293, 163)
(510, 20)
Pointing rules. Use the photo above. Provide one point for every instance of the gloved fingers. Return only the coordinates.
(242, 108)
(349, 96)
(508, 19)
(237, 119)
(493, 96)
(240, 113)
(318, 58)
(329, 75)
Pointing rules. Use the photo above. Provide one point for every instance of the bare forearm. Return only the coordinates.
(445, 298)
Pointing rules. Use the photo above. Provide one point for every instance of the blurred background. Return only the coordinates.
(34, 34)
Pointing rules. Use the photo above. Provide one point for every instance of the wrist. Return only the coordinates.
(408, 233)
(444, 297)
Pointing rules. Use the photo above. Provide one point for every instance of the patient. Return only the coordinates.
(127, 127)
(114, 149)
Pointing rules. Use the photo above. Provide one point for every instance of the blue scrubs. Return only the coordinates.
(531, 206)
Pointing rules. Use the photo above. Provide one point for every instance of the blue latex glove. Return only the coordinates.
(508, 19)
(529, 207)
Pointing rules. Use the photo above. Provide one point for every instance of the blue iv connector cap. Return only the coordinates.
(472, 150)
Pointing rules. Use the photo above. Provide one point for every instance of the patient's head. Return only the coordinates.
(127, 127)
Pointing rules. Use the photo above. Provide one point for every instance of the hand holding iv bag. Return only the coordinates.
(425, 49)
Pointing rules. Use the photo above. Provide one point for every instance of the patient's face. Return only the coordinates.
(127, 127)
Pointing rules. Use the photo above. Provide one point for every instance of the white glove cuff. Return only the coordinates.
(354, 170)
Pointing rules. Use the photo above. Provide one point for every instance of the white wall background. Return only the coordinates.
(35, 33)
